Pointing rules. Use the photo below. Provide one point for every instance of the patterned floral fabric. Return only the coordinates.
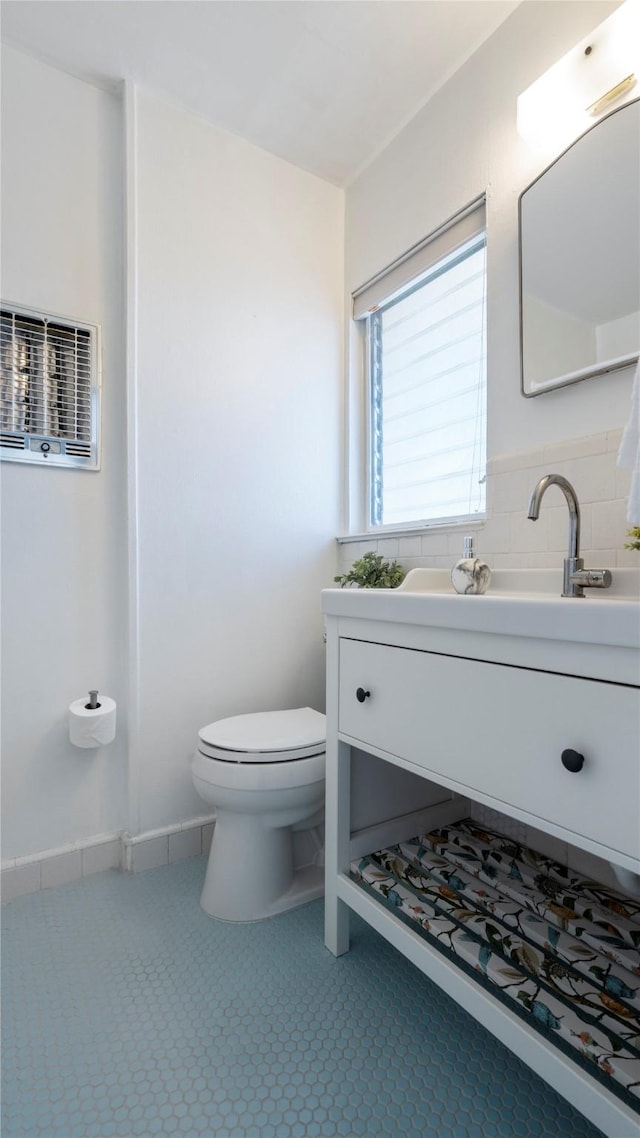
(560, 950)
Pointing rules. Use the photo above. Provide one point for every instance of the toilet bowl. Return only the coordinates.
(264, 774)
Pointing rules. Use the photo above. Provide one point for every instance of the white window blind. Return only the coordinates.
(48, 390)
(427, 382)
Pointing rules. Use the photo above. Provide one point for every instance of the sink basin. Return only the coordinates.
(523, 582)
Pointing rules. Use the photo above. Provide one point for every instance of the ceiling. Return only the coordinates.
(324, 84)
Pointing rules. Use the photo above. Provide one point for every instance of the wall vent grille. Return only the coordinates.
(49, 389)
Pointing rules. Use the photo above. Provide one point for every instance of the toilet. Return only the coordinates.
(264, 774)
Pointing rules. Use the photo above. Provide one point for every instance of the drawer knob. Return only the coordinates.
(361, 695)
(572, 761)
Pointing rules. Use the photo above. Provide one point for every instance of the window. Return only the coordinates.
(426, 336)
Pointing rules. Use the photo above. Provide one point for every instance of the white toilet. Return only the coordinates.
(264, 773)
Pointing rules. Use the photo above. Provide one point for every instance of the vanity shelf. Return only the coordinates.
(559, 951)
(493, 699)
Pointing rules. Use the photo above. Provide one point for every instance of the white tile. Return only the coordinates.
(20, 879)
(610, 525)
(435, 544)
(388, 547)
(614, 438)
(98, 858)
(575, 448)
(353, 550)
(410, 546)
(599, 558)
(431, 562)
(512, 561)
(508, 493)
(495, 536)
(546, 559)
(60, 870)
(186, 843)
(416, 563)
(455, 543)
(207, 834)
(520, 460)
(528, 536)
(150, 854)
(627, 559)
(594, 478)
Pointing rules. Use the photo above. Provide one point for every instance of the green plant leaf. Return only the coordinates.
(371, 572)
(634, 534)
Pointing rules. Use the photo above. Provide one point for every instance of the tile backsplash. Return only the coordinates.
(507, 539)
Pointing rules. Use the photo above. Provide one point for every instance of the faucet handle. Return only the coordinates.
(592, 578)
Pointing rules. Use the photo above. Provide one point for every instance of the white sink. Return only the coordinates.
(519, 603)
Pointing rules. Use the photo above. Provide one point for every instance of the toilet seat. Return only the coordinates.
(265, 737)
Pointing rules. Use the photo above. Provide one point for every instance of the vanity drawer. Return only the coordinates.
(501, 730)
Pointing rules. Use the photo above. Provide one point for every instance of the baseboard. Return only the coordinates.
(59, 866)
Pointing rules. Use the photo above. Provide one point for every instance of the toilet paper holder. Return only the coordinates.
(92, 723)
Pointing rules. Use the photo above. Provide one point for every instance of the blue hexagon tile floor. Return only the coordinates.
(128, 1012)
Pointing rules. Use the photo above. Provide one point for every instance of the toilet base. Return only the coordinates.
(307, 885)
(250, 873)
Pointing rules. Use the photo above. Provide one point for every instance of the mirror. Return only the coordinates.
(579, 226)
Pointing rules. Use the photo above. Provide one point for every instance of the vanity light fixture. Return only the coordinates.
(596, 75)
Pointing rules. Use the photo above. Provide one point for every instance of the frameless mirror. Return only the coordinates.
(579, 225)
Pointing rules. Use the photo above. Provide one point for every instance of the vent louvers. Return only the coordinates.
(14, 441)
(78, 448)
(49, 388)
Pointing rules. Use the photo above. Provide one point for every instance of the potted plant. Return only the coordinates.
(371, 572)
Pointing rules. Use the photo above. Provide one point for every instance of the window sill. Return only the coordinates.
(383, 532)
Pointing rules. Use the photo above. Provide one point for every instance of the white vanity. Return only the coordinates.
(495, 698)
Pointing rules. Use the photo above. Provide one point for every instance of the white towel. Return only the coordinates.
(629, 453)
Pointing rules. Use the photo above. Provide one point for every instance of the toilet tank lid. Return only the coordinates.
(267, 731)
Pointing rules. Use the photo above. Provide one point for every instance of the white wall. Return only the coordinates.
(239, 299)
(201, 570)
(464, 141)
(63, 531)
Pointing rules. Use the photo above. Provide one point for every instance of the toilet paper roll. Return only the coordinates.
(92, 726)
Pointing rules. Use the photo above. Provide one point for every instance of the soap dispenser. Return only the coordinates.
(470, 575)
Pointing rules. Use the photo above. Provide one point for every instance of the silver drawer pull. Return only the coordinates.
(361, 695)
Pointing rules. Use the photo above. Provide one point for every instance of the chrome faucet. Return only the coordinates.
(576, 578)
